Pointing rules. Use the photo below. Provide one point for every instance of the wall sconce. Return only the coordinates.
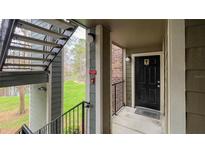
(42, 89)
(91, 37)
(128, 59)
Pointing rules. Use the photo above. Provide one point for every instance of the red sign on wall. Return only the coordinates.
(93, 72)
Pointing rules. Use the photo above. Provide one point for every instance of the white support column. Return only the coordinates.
(103, 80)
(99, 77)
(176, 77)
(38, 106)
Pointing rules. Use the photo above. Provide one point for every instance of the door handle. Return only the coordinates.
(158, 86)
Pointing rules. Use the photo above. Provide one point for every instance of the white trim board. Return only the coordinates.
(49, 92)
(124, 76)
(161, 54)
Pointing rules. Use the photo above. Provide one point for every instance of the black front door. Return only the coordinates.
(147, 82)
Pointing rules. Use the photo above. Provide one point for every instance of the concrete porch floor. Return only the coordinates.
(127, 122)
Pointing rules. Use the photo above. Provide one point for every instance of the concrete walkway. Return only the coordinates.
(127, 122)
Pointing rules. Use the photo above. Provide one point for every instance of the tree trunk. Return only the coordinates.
(22, 99)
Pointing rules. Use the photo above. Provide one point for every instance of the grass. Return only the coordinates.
(10, 120)
(11, 103)
(74, 93)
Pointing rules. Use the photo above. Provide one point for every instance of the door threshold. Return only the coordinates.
(151, 113)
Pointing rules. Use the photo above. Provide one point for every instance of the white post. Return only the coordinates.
(103, 80)
(176, 77)
(99, 58)
(38, 106)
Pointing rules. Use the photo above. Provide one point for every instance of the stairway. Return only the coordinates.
(32, 45)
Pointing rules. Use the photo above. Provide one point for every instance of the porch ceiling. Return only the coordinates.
(132, 33)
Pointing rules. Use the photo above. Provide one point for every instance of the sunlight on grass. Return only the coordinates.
(74, 93)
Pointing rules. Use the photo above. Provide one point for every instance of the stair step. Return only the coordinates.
(8, 68)
(29, 50)
(35, 41)
(59, 23)
(53, 47)
(40, 30)
(31, 65)
(28, 58)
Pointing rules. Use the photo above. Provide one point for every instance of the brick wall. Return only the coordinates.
(117, 64)
(117, 76)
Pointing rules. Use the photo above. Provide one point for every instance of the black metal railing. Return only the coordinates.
(117, 96)
(24, 130)
(71, 122)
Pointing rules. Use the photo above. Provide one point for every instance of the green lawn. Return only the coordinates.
(11, 103)
(74, 93)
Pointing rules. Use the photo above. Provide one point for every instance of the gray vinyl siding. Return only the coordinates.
(92, 61)
(56, 87)
(195, 75)
(22, 78)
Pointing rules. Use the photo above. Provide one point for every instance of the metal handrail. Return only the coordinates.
(116, 109)
(54, 125)
(117, 82)
(24, 130)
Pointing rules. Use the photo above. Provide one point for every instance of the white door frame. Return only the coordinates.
(161, 54)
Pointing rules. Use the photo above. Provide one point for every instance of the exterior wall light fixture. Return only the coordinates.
(91, 37)
(128, 59)
(42, 88)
